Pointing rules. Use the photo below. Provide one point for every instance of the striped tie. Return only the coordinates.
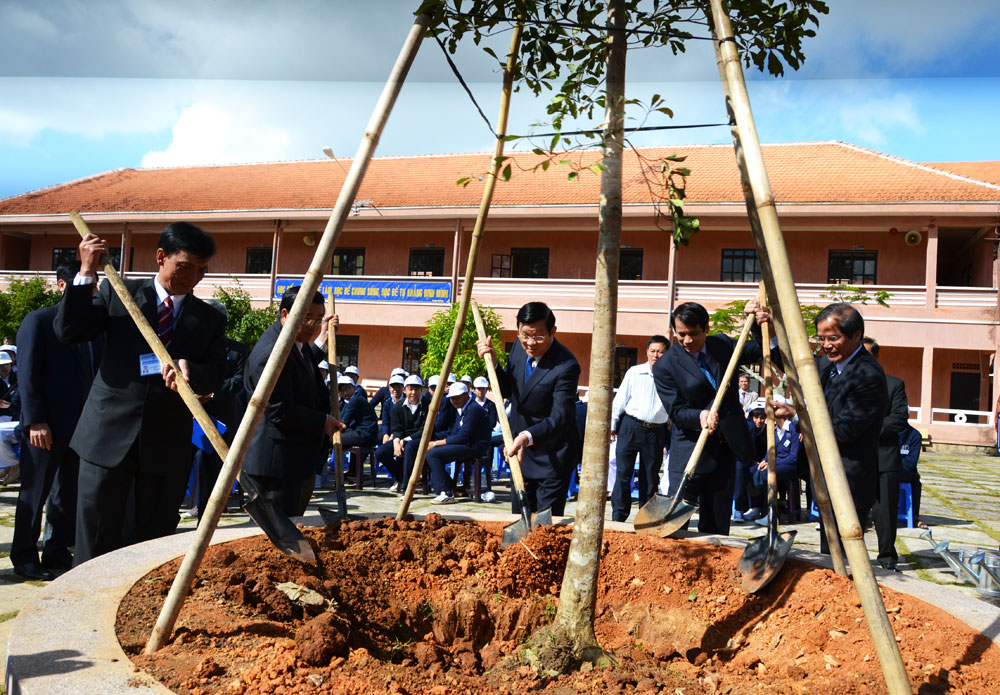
(165, 319)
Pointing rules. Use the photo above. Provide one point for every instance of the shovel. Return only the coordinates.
(763, 556)
(663, 515)
(512, 533)
(260, 506)
(338, 447)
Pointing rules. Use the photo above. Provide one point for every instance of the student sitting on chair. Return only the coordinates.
(358, 415)
(406, 424)
(469, 438)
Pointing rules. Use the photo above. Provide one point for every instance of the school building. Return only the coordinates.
(925, 233)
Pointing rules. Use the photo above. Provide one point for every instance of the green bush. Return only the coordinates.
(245, 323)
(439, 329)
(22, 297)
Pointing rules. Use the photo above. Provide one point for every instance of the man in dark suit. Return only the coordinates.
(135, 431)
(890, 466)
(54, 381)
(687, 379)
(541, 379)
(291, 441)
(226, 405)
(857, 398)
(406, 427)
(468, 438)
(358, 416)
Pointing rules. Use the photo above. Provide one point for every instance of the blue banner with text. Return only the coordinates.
(376, 290)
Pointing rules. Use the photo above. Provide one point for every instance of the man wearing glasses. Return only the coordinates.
(540, 379)
(290, 443)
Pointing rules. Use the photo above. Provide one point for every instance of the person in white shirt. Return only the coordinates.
(638, 424)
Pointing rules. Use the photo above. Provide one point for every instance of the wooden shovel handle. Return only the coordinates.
(765, 372)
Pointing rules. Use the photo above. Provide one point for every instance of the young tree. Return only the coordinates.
(22, 297)
(438, 336)
(245, 323)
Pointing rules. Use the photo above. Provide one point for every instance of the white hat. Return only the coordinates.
(413, 380)
(466, 379)
(481, 382)
(351, 370)
(452, 378)
(323, 364)
(396, 379)
(5, 358)
(399, 371)
(457, 389)
(759, 404)
(9, 348)
(345, 381)
(433, 381)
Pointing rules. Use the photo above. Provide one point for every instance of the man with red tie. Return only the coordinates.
(134, 434)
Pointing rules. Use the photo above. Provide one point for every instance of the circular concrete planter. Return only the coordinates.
(64, 643)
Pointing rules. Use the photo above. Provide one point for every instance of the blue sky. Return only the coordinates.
(105, 84)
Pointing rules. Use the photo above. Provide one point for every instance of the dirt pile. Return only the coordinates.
(433, 607)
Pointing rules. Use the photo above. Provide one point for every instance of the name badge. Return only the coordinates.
(787, 443)
(149, 364)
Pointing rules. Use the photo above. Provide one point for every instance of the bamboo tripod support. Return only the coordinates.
(338, 446)
(470, 272)
(781, 288)
(276, 362)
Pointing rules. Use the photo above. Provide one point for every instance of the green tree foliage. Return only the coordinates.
(22, 297)
(245, 324)
(467, 361)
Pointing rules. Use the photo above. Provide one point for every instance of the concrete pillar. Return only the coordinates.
(126, 240)
(926, 385)
(456, 260)
(275, 255)
(671, 285)
(930, 266)
(996, 387)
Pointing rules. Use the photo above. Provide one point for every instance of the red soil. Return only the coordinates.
(432, 607)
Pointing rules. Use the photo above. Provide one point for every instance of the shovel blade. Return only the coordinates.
(542, 518)
(279, 529)
(761, 560)
(656, 516)
(516, 532)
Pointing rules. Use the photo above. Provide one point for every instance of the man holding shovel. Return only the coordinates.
(135, 431)
(687, 379)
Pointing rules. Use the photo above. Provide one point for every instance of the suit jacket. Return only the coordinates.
(471, 428)
(545, 406)
(124, 407)
(405, 424)
(491, 412)
(291, 438)
(896, 420)
(358, 415)
(685, 391)
(857, 399)
(55, 378)
(230, 400)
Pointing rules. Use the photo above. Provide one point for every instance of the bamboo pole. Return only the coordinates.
(338, 445)
(897, 682)
(258, 400)
(470, 272)
(765, 371)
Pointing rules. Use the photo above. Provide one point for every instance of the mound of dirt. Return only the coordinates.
(429, 606)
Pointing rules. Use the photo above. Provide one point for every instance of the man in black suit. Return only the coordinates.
(541, 378)
(226, 405)
(135, 431)
(890, 466)
(406, 427)
(468, 438)
(54, 381)
(291, 441)
(687, 379)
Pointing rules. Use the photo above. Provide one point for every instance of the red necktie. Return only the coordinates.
(165, 320)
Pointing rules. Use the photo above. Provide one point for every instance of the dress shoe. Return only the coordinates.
(33, 570)
(58, 563)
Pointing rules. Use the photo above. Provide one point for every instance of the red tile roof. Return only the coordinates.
(817, 172)
(982, 171)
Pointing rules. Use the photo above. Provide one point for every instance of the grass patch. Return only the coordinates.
(4, 617)
(992, 533)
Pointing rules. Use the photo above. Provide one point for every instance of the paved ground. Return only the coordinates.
(961, 504)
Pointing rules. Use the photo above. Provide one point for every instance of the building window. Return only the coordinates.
(529, 263)
(630, 264)
(500, 267)
(852, 268)
(348, 262)
(63, 254)
(625, 359)
(259, 260)
(740, 265)
(347, 351)
(426, 262)
(413, 351)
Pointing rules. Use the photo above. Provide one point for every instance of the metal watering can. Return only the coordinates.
(980, 567)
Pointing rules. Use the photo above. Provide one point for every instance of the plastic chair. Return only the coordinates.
(905, 512)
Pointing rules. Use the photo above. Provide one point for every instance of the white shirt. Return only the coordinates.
(843, 363)
(161, 293)
(637, 397)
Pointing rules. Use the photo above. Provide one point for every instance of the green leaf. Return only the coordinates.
(693, 595)
(505, 174)
(573, 176)
(464, 181)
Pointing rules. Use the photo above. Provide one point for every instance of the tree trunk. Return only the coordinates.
(573, 628)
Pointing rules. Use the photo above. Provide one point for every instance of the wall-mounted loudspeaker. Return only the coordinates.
(913, 237)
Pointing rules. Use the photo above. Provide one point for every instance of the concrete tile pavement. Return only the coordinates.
(961, 504)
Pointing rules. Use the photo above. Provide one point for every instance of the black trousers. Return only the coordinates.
(46, 475)
(103, 520)
(913, 478)
(863, 491)
(351, 438)
(441, 456)
(543, 493)
(289, 495)
(635, 438)
(712, 491)
(885, 516)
